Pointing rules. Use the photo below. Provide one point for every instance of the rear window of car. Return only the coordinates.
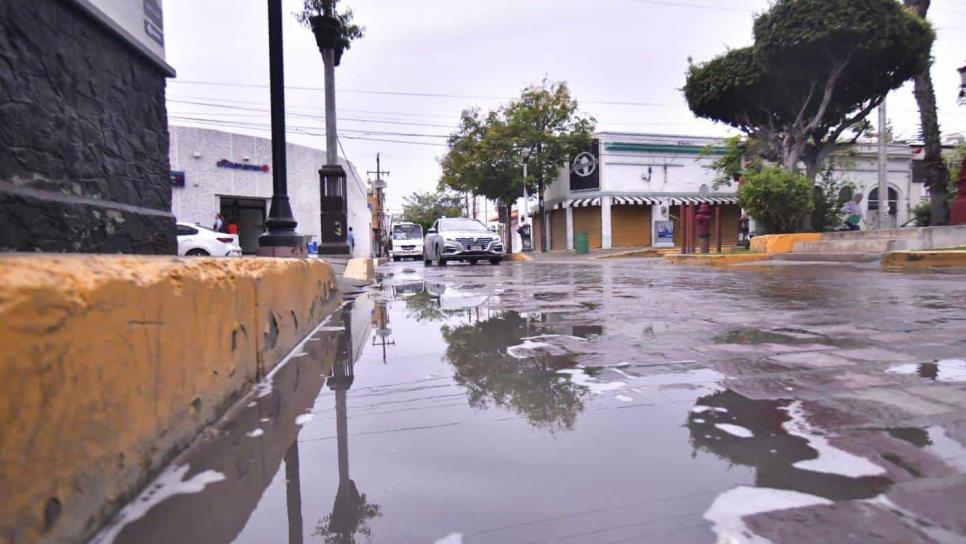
(186, 231)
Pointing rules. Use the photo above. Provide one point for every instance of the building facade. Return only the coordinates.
(627, 191)
(221, 172)
(84, 138)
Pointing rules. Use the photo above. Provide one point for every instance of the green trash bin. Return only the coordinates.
(581, 243)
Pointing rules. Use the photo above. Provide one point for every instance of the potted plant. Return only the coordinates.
(335, 32)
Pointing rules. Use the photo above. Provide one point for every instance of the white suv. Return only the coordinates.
(461, 239)
(197, 241)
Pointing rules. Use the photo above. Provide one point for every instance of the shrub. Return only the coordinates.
(777, 198)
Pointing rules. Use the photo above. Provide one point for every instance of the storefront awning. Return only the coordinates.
(636, 201)
(716, 200)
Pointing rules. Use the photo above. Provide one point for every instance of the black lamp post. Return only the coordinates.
(328, 36)
(280, 238)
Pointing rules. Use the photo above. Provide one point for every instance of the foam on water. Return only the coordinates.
(303, 419)
(831, 460)
(580, 377)
(735, 430)
(729, 508)
(255, 434)
(169, 483)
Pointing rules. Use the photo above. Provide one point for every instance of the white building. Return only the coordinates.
(630, 187)
(215, 171)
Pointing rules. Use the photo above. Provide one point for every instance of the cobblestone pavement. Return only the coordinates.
(599, 402)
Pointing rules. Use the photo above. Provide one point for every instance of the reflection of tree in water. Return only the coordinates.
(530, 387)
(423, 306)
(772, 452)
(349, 521)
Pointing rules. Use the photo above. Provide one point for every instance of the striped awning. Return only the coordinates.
(717, 200)
(636, 201)
(584, 202)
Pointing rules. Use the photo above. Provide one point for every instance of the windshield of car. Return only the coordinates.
(407, 232)
(462, 225)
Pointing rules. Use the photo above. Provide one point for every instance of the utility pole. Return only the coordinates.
(883, 168)
(280, 238)
(379, 185)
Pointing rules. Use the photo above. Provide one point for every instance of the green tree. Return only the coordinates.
(425, 208)
(547, 123)
(830, 194)
(486, 152)
(778, 198)
(816, 71)
(937, 173)
(738, 155)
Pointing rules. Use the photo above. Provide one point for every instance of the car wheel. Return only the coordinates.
(395, 259)
(473, 261)
(439, 259)
(197, 253)
(496, 261)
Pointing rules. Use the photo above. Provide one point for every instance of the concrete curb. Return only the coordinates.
(782, 243)
(637, 254)
(925, 259)
(519, 257)
(715, 260)
(361, 269)
(112, 364)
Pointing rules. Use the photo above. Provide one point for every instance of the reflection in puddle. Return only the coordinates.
(775, 438)
(950, 371)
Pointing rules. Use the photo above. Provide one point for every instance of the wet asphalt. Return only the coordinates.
(615, 401)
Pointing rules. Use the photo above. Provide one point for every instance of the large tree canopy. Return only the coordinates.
(425, 208)
(816, 71)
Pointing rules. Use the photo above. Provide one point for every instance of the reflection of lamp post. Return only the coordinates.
(280, 238)
(957, 208)
(962, 85)
(328, 36)
(293, 493)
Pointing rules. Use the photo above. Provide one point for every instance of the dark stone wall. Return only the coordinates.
(83, 136)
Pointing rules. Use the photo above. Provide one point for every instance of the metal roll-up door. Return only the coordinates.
(558, 230)
(588, 220)
(631, 226)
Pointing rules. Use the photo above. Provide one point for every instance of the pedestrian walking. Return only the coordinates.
(219, 225)
(853, 211)
(351, 238)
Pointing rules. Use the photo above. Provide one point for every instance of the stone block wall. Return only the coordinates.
(83, 136)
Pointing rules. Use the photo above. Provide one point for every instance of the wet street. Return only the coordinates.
(595, 402)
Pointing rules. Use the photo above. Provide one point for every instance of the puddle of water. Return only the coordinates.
(948, 371)
(471, 415)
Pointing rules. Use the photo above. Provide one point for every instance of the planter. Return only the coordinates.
(328, 32)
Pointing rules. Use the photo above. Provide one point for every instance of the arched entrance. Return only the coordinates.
(893, 204)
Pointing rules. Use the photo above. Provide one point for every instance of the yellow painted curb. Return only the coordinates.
(360, 269)
(782, 243)
(925, 259)
(519, 257)
(111, 364)
(715, 260)
(640, 253)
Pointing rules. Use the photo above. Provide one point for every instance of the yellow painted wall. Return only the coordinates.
(112, 364)
(782, 243)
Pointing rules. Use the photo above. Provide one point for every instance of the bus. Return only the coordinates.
(406, 241)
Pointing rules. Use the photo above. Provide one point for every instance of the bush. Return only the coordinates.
(778, 199)
(923, 213)
(830, 195)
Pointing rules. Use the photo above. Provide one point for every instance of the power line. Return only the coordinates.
(412, 93)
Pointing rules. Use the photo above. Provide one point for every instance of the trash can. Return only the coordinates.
(581, 243)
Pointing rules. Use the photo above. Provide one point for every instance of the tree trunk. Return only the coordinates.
(505, 216)
(937, 174)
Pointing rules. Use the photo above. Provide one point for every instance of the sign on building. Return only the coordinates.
(140, 22)
(585, 169)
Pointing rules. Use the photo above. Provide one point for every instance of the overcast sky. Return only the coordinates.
(423, 61)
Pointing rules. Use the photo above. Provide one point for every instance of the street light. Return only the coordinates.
(527, 152)
(280, 238)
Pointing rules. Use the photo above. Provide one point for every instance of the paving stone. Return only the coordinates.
(913, 405)
(842, 523)
(937, 500)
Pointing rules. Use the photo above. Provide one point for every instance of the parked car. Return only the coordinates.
(461, 239)
(197, 241)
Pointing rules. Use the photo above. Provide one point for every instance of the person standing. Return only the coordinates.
(219, 223)
(853, 211)
(351, 238)
(232, 228)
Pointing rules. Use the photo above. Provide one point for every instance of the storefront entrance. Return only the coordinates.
(249, 214)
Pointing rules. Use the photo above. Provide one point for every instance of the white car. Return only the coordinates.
(461, 239)
(197, 241)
